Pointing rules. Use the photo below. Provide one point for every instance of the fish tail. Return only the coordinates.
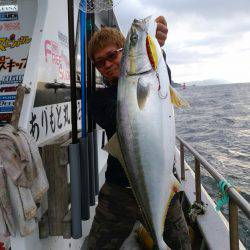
(176, 99)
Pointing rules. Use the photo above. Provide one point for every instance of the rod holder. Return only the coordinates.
(91, 168)
(95, 134)
(75, 182)
(84, 165)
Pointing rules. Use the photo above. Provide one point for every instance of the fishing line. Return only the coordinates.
(159, 87)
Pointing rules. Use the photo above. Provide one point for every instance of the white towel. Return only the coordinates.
(24, 177)
(6, 213)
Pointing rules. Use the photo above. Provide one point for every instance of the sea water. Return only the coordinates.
(217, 125)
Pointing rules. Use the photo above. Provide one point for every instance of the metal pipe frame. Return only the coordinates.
(233, 194)
(235, 199)
(233, 225)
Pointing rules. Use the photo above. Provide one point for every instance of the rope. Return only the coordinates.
(196, 209)
(223, 186)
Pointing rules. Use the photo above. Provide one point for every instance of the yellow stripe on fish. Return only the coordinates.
(132, 61)
(152, 52)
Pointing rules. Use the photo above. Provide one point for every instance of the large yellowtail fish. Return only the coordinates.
(146, 127)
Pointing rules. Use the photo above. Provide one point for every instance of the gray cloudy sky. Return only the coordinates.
(207, 38)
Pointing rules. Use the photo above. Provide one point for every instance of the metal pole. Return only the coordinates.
(233, 225)
(197, 181)
(182, 161)
(240, 201)
(20, 93)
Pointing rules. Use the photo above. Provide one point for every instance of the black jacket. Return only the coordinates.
(102, 106)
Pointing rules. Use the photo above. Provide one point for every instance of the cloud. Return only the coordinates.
(127, 10)
(187, 56)
(205, 8)
(202, 33)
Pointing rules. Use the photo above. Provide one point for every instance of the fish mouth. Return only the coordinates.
(142, 23)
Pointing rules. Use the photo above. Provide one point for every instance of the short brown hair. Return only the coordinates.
(104, 37)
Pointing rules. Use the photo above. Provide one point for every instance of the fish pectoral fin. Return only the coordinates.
(142, 93)
(113, 147)
(176, 99)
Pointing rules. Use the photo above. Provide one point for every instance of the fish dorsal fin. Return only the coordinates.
(113, 148)
(176, 99)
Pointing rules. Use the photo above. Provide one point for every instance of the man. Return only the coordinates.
(117, 210)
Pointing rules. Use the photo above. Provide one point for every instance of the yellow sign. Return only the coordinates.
(12, 42)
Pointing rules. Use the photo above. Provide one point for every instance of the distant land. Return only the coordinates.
(208, 82)
(205, 82)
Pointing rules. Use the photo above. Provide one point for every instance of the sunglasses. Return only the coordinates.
(111, 56)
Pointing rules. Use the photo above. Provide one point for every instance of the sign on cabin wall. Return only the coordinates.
(47, 122)
(54, 55)
(51, 115)
(16, 28)
(48, 117)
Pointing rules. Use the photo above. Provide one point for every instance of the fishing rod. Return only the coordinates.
(74, 159)
(91, 142)
(84, 156)
(95, 132)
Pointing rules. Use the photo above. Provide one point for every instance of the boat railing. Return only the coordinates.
(235, 199)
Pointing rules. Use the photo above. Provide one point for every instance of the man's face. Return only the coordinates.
(107, 61)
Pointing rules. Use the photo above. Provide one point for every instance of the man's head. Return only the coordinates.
(105, 50)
